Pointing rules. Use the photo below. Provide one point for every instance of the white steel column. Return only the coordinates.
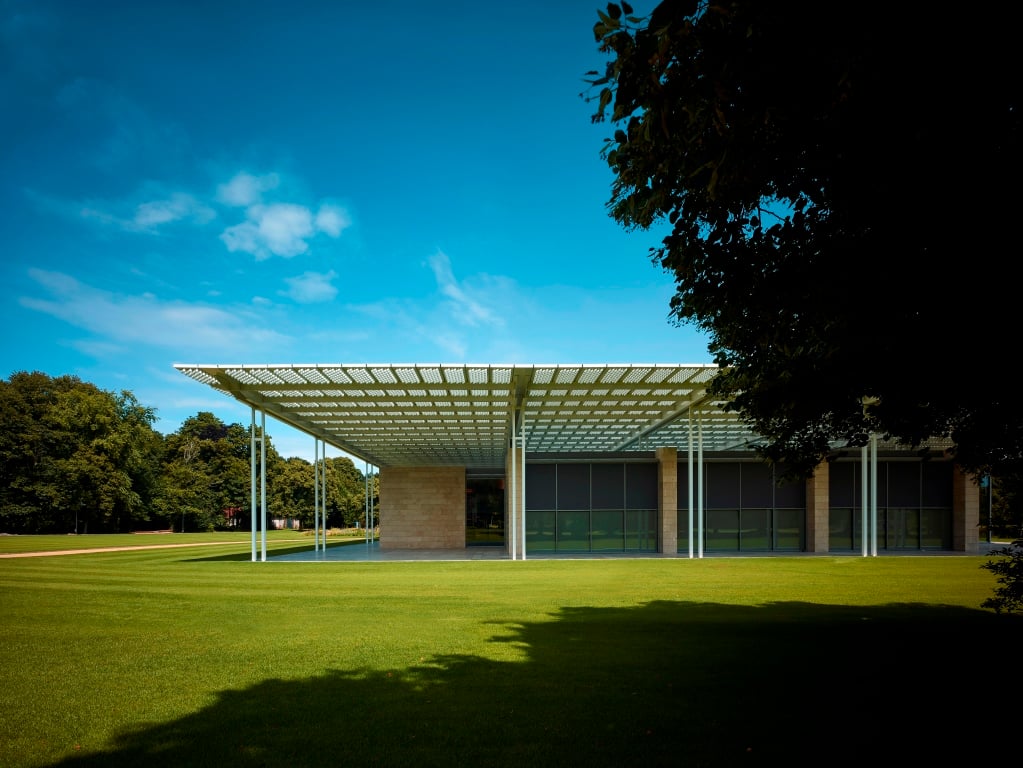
(370, 516)
(873, 495)
(691, 487)
(252, 481)
(699, 484)
(522, 515)
(864, 503)
(513, 501)
(316, 494)
(365, 517)
(262, 476)
(323, 492)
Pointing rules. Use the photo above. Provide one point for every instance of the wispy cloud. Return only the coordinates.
(179, 206)
(465, 322)
(129, 321)
(150, 215)
(311, 287)
(467, 308)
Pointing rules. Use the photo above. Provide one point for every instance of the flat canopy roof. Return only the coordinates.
(422, 414)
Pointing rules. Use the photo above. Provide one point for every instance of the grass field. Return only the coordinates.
(197, 657)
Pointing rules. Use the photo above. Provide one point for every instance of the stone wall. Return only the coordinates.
(422, 508)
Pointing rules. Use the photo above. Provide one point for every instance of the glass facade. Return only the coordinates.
(484, 512)
(595, 506)
(591, 507)
(914, 505)
(746, 509)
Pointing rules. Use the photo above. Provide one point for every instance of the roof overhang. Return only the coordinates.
(461, 414)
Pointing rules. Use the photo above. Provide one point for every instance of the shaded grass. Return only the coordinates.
(156, 658)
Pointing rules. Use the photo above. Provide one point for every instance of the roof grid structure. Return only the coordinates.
(463, 414)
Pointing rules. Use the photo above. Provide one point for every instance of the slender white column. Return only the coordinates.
(252, 481)
(699, 484)
(323, 491)
(262, 476)
(316, 494)
(512, 532)
(864, 502)
(522, 516)
(691, 486)
(873, 495)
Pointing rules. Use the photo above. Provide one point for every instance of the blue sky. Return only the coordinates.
(306, 182)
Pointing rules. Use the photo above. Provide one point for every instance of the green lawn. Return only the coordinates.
(197, 656)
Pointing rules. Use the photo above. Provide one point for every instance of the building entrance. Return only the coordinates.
(484, 511)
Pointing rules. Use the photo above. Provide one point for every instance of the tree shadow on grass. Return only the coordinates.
(663, 684)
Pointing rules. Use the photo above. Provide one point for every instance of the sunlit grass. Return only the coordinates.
(185, 657)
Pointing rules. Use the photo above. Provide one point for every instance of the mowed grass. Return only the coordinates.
(198, 657)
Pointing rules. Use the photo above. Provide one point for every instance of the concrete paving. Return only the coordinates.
(371, 552)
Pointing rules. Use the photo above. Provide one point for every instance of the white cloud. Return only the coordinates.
(245, 189)
(147, 216)
(332, 220)
(133, 321)
(463, 306)
(283, 229)
(180, 206)
(280, 229)
(311, 287)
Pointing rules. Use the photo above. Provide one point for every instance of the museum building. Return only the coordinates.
(596, 458)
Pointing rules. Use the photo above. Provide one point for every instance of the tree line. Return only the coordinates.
(78, 459)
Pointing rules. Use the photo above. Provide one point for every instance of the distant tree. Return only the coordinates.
(346, 492)
(74, 458)
(837, 182)
(207, 472)
(293, 493)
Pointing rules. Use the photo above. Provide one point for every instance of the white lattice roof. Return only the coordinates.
(441, 414)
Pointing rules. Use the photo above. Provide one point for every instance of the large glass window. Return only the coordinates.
(746, 508)
(840, 529)
(788, 529)
(721, 529)
(608, 531)
(591, 507)
(903, 527)
(541, 530)
(914, 505)
(573, 531)
(641, 530)
(484, 511)
(755, 529)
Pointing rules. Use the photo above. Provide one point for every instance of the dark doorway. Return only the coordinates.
(484, 512)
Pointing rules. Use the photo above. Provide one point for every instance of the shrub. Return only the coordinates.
(1008, 568)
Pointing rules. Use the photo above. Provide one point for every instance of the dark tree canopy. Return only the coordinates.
(840, 186)
(78, 459)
